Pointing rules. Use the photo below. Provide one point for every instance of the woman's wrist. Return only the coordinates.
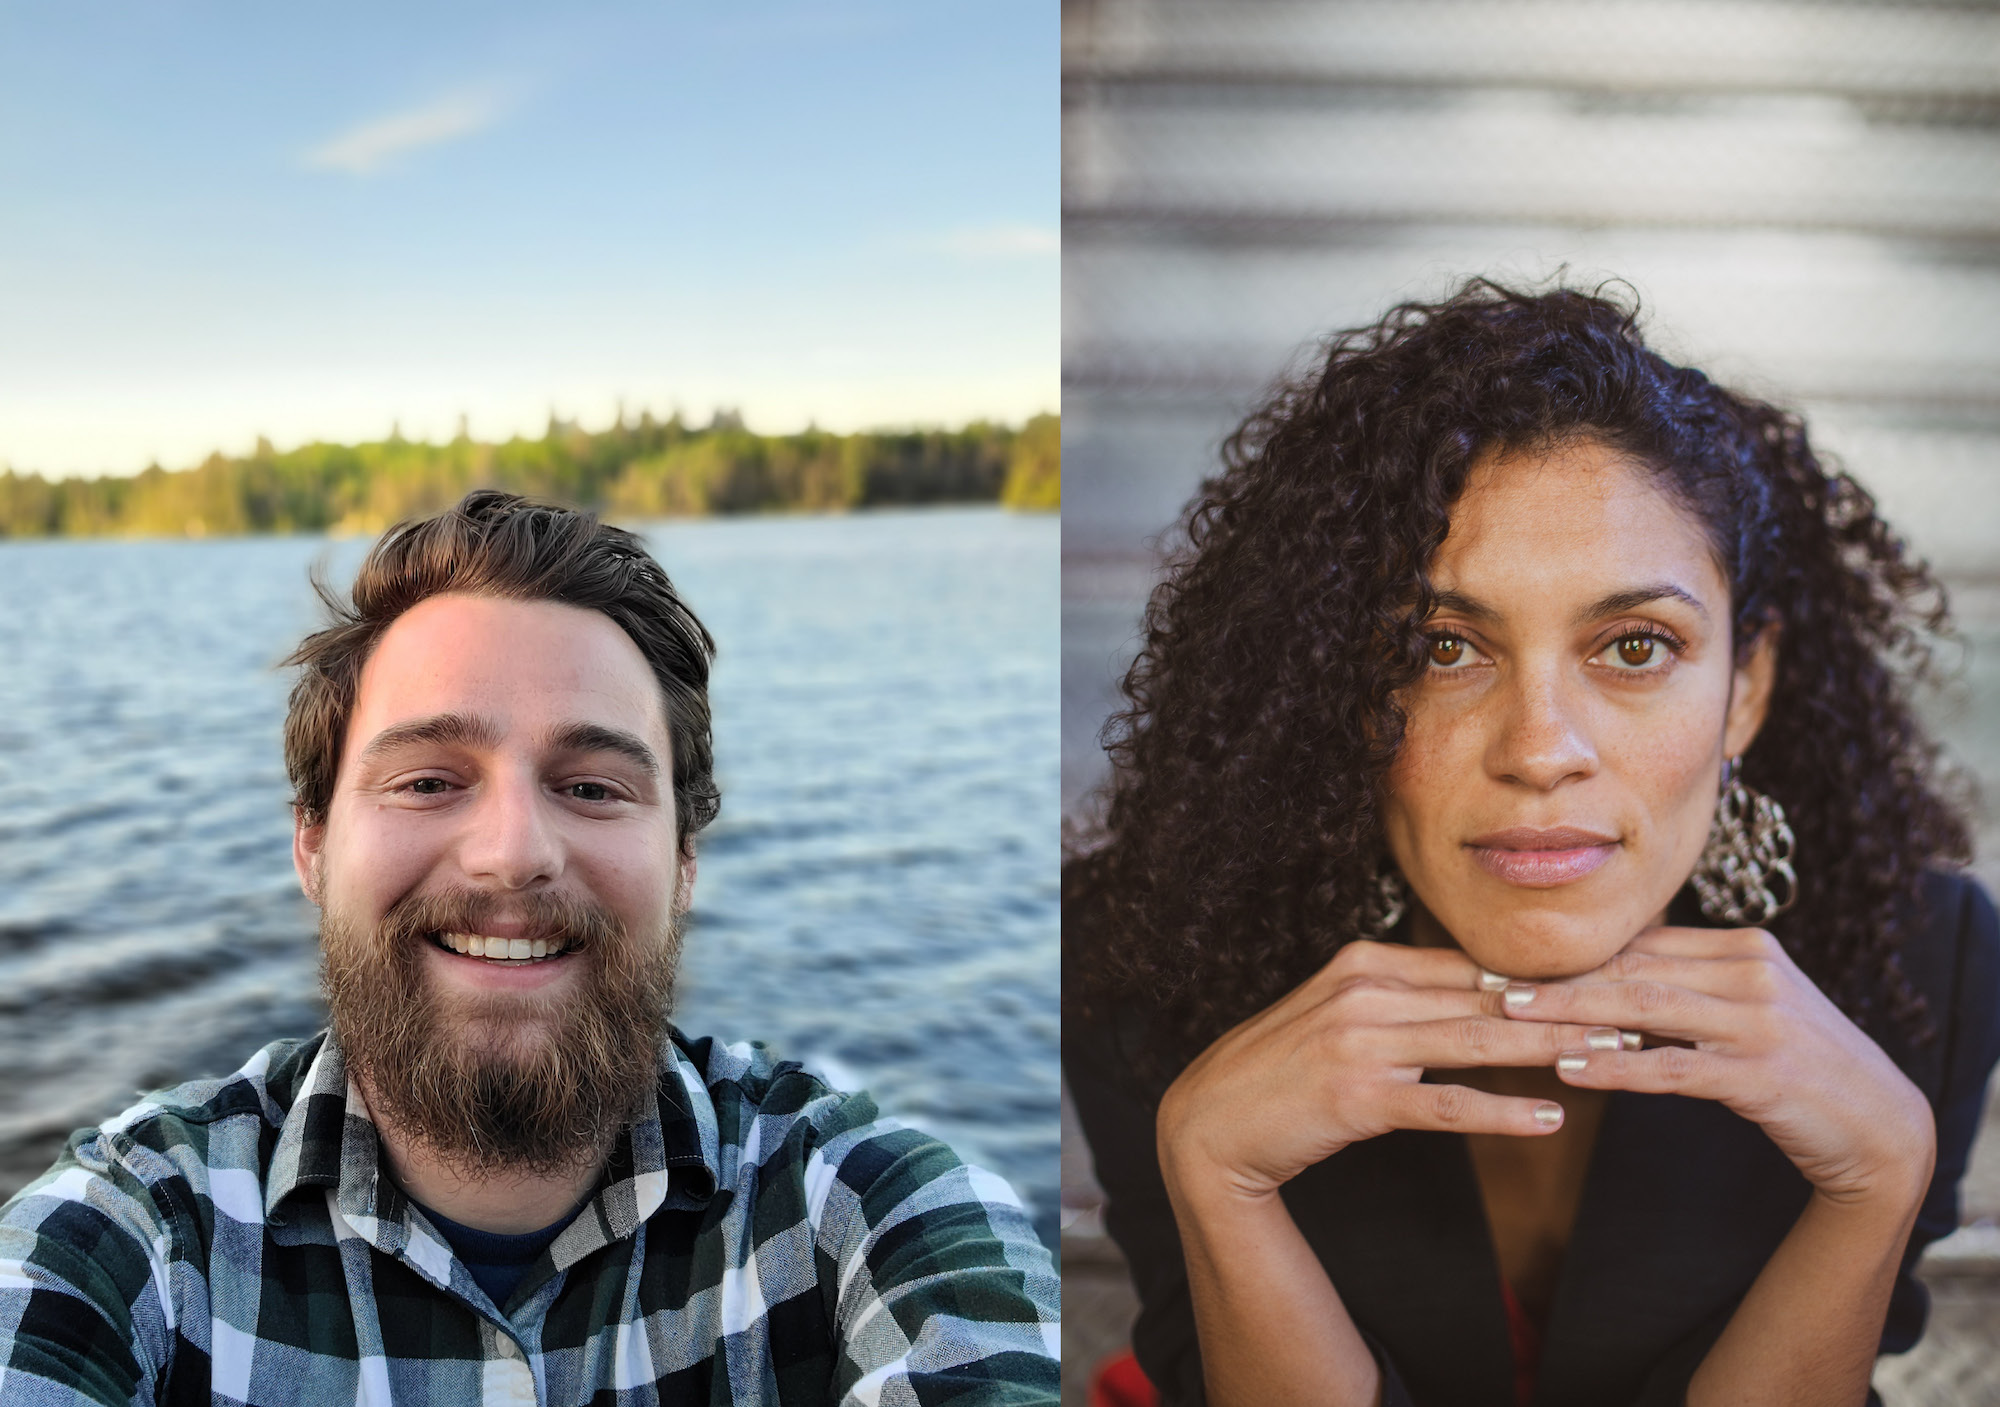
(1199, 1185)
(1894, 1177)
(1891, 1198)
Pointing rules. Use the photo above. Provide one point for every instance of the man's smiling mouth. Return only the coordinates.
(524, 951)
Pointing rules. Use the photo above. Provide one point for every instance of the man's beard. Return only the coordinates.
(507, 1082)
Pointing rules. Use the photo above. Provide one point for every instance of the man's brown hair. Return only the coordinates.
(501, 545)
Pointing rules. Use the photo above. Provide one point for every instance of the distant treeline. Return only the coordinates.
(643, 469)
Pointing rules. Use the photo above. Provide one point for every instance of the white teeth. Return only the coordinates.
(502, 949)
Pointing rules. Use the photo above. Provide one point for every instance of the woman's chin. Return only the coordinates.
(1541, 952)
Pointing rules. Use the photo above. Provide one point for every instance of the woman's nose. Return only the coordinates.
(511, 838)
(1540, 738)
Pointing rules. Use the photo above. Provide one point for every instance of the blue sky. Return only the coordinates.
(316, 220)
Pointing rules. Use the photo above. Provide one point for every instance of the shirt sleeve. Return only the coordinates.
(942, 1291)
(87, 1311)
(1140, 1218)
(1970, 1032)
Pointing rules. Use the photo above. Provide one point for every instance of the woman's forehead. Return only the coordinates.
(1576, 522)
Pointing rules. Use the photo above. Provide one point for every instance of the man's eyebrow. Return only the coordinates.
(439, 730)
(595, 737)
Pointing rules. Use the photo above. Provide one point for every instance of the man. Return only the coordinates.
(501, 1176)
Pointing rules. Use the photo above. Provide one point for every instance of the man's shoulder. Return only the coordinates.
(180, 1131)
(760, 1100)
(163, 1168)
(263, 1088)
(778, 1123)
(791, 1142)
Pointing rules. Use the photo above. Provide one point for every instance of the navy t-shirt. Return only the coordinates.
(497, 1262)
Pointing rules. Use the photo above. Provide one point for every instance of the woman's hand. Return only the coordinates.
(1760, 1038)
(1342, 1058)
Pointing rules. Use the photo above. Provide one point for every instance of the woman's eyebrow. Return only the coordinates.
(1461, 604)
(1630, 599)
(1620, 601)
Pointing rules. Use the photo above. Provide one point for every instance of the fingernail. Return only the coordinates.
(1603, 1038)
(1548, 1115)
(1571, 1061)
(1491, 981)
(1631, 1040)
(1519, 994)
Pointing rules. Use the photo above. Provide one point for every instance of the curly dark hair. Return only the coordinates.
(1240, 837)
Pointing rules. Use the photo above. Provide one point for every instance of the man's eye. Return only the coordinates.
(590, 791)
(429, 786)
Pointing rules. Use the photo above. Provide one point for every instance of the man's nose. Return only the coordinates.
(511, 837)
(1541, 737)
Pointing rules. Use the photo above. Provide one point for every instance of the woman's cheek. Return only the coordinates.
(1672, 766)
(1436, 772)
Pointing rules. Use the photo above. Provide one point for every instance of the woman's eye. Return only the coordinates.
(1449, 651)
(1636, 651)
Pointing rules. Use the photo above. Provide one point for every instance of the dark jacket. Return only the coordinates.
(1684, 1203)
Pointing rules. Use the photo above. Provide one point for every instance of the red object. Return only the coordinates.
(1527, 1344)
(1118, 1382)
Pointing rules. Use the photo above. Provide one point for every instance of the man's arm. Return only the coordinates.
(86, 1262)
(940, 1282)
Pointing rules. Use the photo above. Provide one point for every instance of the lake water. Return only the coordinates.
(879, 896)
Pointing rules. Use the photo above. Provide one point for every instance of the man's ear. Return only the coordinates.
(684, 881)
(307, 843)
(1750, 692)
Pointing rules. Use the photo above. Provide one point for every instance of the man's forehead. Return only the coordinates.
(509, 672)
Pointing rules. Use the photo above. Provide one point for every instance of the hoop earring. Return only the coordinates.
(1748, 858)
(1391, 900)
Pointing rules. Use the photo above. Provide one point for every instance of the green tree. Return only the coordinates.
(1034, 470)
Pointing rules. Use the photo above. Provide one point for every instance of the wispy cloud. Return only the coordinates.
(363, 149)
(1001, 242)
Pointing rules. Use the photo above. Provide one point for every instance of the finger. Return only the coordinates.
(1463, 1042)
(1737, 978)
(1699, 1074)
(1456, 1109)
(1657, 1008)
(1384, 1001)
(1418, 967)
(1702, 942)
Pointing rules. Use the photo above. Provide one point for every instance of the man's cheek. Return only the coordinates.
(380, 864)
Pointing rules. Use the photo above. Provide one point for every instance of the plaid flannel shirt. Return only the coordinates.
(760, 1239)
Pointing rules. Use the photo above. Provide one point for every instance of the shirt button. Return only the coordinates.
(506, 1346)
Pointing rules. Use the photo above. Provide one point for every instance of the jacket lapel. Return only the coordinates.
(1399, 1225)
(1683, 1205)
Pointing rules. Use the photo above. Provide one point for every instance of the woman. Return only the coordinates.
(1518, 959)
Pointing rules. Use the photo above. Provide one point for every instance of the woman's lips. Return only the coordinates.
(1541, 859)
